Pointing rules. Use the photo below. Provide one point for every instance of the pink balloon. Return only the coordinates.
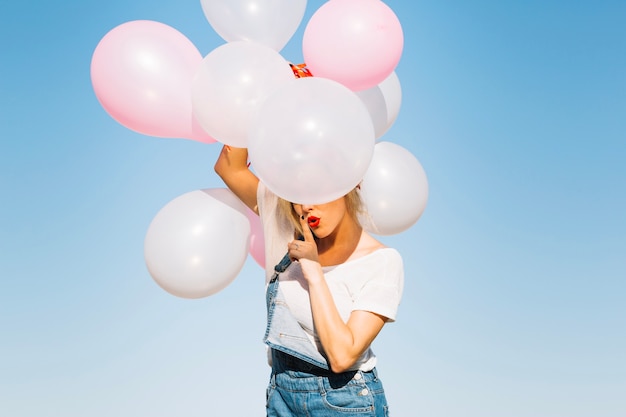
(141, 72)
(257, 243)
(357, 43)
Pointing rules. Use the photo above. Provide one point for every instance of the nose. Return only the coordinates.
(306, 208)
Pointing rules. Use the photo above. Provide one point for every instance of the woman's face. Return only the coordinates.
(323, 219)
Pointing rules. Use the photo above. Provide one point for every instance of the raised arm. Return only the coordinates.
(232, 167)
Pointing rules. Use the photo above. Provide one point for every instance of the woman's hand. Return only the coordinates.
(305, 252)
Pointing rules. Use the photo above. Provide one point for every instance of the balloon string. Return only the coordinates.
(300, 71)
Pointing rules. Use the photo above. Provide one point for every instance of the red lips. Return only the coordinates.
(313, 221)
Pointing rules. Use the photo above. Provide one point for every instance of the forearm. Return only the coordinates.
(232, 167)
(336, 336)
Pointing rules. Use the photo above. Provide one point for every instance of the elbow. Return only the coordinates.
(223, 164)
(338, 369)
(224, 171)
(341, 365)
(219, 168)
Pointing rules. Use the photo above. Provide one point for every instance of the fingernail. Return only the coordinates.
(302, 217)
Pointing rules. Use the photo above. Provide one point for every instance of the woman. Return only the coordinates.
(328, 298)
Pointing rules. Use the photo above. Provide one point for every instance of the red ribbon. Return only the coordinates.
(300, 71)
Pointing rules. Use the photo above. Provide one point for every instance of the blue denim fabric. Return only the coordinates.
(301, 383)
(283, 331)
(295, 393)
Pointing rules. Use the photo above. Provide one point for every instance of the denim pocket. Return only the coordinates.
(351, 398)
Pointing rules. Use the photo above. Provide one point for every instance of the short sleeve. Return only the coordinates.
(381, 293)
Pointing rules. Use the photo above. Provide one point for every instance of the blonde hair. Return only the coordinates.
(354, 207)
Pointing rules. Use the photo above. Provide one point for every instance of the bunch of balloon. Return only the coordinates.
(358, 43)
(310, 139)
(234, 78)
(151, 79)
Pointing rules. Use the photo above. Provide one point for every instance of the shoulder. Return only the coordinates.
(368, 245)
(386, 256)
(380, 259)
(384, 265)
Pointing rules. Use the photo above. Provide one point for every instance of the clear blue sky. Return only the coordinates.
(515, 298)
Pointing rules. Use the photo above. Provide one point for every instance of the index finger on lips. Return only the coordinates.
(306, 230)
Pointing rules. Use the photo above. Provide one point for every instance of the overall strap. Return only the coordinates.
(283, 264)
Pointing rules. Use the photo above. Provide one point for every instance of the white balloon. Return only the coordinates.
(311, 141)
(394, 190)
(197, 243)
(383, 102)
(231, 80)
(270, 22)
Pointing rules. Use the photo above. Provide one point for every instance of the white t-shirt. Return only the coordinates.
(372, 283)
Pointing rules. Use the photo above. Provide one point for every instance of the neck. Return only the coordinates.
(339, 245)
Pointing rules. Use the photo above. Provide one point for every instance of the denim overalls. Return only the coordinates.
(283, 332)
(301, 383)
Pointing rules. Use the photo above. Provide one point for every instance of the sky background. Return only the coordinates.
(515, 293)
